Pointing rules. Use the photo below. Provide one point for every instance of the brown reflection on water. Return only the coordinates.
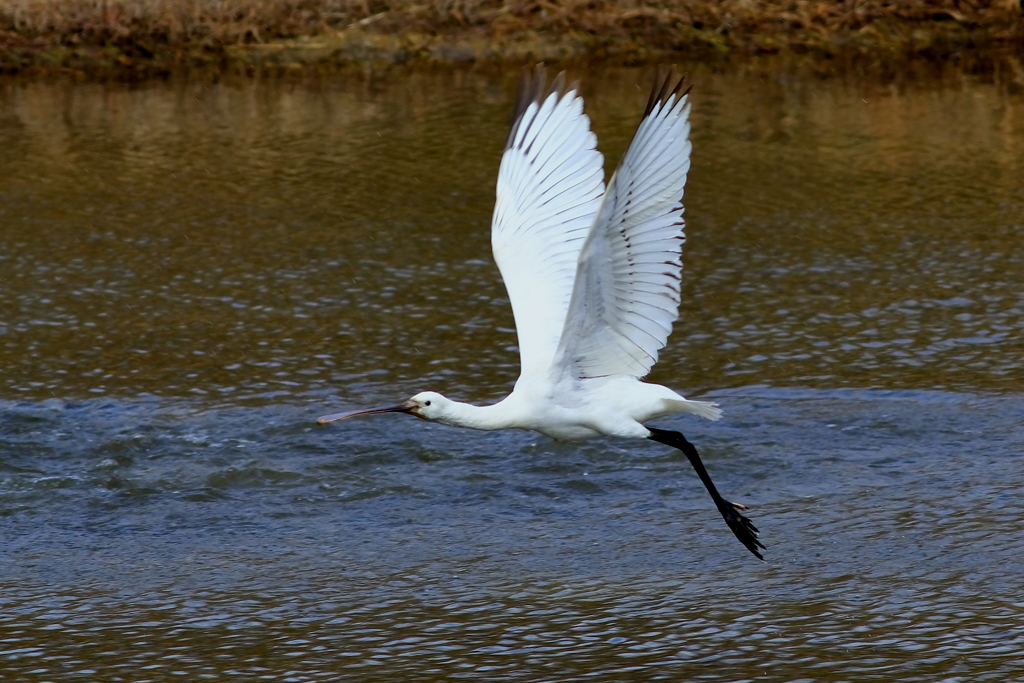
(244, 241)
(652, 630)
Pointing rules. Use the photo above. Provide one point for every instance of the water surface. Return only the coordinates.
(190, 273)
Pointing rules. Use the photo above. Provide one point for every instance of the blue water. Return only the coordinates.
(237, 542)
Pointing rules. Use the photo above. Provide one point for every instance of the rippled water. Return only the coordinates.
(190, 273)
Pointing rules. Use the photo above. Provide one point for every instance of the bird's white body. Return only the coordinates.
(593, 277)
(592, 272)
(609, 406)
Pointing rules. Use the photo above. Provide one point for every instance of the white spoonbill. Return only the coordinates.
(593, 276)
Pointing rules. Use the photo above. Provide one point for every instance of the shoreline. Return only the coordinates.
(137, 41)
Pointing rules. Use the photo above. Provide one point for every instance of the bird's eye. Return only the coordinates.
(426, 403)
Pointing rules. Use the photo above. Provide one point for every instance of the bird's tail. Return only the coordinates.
(707, 409)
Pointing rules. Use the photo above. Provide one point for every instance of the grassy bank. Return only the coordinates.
(150, 37)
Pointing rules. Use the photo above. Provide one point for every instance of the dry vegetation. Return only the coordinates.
(147, 35)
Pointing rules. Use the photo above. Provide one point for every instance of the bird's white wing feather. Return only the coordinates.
(550, 185)
(626, 294)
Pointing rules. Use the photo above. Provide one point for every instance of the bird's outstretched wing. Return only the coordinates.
(626, 294)
(550, 185)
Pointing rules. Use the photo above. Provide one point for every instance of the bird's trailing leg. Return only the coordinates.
(740, 525)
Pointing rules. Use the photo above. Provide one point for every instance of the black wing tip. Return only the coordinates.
(667, 84)
(533, 89)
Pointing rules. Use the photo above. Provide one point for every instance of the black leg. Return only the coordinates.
(740, 525)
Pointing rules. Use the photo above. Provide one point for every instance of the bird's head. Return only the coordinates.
(426, 405)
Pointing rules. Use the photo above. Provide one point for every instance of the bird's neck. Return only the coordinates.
(496, 416)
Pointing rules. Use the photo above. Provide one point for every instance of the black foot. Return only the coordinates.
(740, 525)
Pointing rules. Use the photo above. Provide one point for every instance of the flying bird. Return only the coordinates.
(593, 274)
